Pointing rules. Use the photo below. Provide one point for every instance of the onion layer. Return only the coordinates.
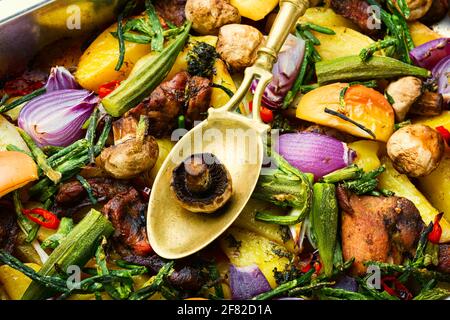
(430, 53)
(60, 78)
(247, 282)
(284, 72)
(315, 153)
(441, 72)
(56, 118)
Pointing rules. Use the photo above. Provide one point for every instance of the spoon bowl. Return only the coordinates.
(236, 140)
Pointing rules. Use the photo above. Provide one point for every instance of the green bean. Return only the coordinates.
(23, 99)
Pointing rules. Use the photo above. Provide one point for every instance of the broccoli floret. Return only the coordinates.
(201, 59)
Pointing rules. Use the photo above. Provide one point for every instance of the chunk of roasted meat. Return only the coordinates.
(384, 229)
(184, 277)
(444, 258)
(123, 206)
(172, 10)
(8, 227)
(357, 11)
(126, 211)
(169, 100)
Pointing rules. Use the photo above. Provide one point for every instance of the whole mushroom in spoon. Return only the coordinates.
(201, 183)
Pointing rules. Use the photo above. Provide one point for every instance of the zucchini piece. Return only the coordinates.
(147, 74)
(351, 68)
(324, 222)
(76, 249)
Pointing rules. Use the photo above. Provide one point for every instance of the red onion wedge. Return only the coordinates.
(441, 72)
(60, 78)
(55, 118)
(284, 72)
(247, 282)
(430, 53)
(315, 153)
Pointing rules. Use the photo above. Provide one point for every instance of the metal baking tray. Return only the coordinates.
(26, 26)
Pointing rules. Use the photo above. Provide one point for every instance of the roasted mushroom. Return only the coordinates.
(208, 16)
(405, 91)
(416, 150)
(201, 183)
(131, 157)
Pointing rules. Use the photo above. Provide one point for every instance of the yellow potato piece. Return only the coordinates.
(96, 66)
(399, 183)
(254, 9)
(165, 146)
(222, 77)
(421, 34)
(15, 282)
(366, 154)
(346, 42)
(10, 135)
(254, 249)
(326, 17)
(441, 120)
(436, 187)
(273, 232)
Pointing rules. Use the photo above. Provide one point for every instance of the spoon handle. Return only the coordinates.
(290, 12)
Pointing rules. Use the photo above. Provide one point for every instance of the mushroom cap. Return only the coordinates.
(219, 188)
(416, 150)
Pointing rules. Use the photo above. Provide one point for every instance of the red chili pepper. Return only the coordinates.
(396, 288)
(50, 220)
(266, 113)
(107, 88)
(317, 267)
(435, 235)
(444, 133)
(306, 268)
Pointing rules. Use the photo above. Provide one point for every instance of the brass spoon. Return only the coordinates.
(237, 142)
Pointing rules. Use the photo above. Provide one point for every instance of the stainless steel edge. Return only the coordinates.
(28, 26)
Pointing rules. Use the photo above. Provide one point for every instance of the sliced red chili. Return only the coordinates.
(107, 88)
(317, 266)
(306, 268)
(444, 133)
(435, 235)
(50, 220)
(395, 288)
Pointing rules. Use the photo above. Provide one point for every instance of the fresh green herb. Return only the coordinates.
(289, 273)
(11, 147)
(158, 38)
(6, 107)
(402, 124)
(90, 133)
(432, 294)
(65, 226)
(308, 288)
(403, 5)
(389, 98)
(3, 100)
(368, 52)
(28, 227)
(201, 59)
(121, 43)
(155, 285)
(88, 189)
(366, 183)
(340, 294)
(311, 37)
(285, 287)
(215, 276)
(345, 118)
(315, 27)
(232, 242)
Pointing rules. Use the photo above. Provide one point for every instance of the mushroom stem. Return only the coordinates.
(197, 175)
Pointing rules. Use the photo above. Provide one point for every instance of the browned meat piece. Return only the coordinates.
(126, 211)
(164, 105)
(436, 13)
(444, 258)
(384, 229)
(106, 188)
(358, 12)
(8, 227)
(199, 90)
(168, 100)
(172, 10)
(184, 277)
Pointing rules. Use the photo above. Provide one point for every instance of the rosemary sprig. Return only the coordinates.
(345, 118)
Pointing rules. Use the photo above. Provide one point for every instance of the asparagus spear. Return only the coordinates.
(155, 285)
(65, 226)
(341, 294)
(351, 172)
(90, 134)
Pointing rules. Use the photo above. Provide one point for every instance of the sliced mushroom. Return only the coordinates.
(416, 150)
(127, 159)
(405, 91)
(201, 183)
